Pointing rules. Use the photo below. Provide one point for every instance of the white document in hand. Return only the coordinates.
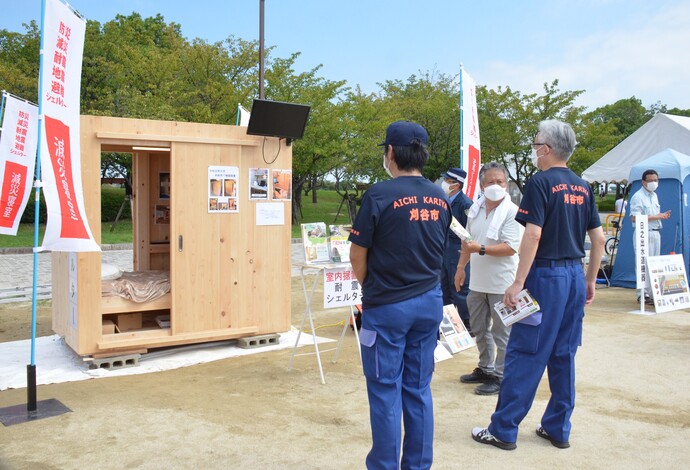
(525, 305)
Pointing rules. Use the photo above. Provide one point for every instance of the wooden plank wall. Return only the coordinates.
(231, 274)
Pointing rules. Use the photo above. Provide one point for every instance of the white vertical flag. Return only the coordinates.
(471, 161)
(63, 41)
(243, 119)
(17, 160)
(641, 250)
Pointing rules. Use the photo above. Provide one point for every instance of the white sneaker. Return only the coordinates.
(483, 436)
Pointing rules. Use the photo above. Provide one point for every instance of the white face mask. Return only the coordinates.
(495, 192)
(446, 186)
(535, 158)
(651, 187)
(386, 167)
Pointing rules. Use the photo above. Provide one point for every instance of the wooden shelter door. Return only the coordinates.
(194, 241)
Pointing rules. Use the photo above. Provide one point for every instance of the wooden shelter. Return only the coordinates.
(229, 276)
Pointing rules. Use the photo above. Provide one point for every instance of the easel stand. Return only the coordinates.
(308, 296)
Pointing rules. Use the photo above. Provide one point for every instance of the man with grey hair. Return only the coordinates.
(558, 209)
(493, 254)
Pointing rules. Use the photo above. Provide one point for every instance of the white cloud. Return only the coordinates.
(646, 58)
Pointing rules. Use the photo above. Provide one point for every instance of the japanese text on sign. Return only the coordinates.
(340, 288)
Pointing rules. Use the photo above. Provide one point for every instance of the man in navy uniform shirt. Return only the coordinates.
(453, 182)
(397, 250)
(557, 210)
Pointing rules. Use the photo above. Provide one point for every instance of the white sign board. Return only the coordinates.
(340, 287)
(641, 249)
(669, 282)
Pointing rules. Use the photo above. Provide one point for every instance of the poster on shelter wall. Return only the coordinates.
(223, 189)
(258, 184)
(282, 185)
(164, 185)
(669, 282)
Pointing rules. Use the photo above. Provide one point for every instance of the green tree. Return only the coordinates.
(19, 61)
(316, 153)
(432, 100)
(627, 115)
(508, 121)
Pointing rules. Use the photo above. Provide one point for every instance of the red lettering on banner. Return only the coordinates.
(13, 186)
(56, 95)
(57, 136)
(472, 171)
(20, 132)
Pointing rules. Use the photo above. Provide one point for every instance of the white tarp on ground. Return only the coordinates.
(56, 362)
(659, 133)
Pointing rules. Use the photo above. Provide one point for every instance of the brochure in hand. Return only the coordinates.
(459, 230)
(525, 306)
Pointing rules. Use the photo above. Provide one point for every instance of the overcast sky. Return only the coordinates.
(613, 49)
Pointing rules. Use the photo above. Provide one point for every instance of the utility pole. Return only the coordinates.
(261, 49)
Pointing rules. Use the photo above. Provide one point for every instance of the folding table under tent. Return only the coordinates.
(674, 185)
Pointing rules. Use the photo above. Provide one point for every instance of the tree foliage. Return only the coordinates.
(145, 68)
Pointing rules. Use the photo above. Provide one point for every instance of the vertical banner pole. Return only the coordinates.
(31, 368)
(461, 112)
(2, 106)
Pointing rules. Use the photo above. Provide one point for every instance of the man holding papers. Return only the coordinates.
(493, 253)
(558, 209)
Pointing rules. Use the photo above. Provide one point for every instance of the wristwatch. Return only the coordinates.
(482, 250)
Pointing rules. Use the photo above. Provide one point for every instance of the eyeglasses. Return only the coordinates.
(539, 144)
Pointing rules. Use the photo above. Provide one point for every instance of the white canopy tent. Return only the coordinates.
(661, 132)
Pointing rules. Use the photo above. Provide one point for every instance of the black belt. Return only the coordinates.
(655, 229)
(554, 263)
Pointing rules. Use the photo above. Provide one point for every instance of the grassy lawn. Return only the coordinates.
(324, 211)
(25, 235)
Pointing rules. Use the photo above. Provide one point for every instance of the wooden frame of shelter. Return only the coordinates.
(229, 276)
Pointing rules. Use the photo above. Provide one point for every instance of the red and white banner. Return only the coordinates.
(471, 161)
(18, 143)
(63, 45)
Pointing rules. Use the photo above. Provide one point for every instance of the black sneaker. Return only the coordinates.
(477, 376)
(483, 436)
(560, 444)
(491, 387)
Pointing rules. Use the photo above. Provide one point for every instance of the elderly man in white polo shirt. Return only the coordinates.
(494, 259)
(645, 202)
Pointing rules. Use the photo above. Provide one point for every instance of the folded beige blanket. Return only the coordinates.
(139, 286)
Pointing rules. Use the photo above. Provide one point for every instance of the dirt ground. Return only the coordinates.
(633, 406)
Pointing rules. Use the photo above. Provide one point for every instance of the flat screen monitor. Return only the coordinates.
(278, 119)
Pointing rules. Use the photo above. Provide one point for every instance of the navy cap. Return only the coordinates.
(457, 174)
(403, 133)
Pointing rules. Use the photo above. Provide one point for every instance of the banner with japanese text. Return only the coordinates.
(340, 287)
(471, 161)
(641, 250)
(63, 45)
(18, 143)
